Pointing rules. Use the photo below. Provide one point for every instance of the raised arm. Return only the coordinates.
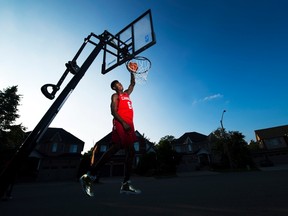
(132, 84)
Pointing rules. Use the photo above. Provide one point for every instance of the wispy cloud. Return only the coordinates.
(212, 97)
(208, 98)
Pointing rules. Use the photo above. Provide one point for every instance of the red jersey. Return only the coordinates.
(125, 109)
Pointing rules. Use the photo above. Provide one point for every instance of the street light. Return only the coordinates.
(225, 141)
(221, 121)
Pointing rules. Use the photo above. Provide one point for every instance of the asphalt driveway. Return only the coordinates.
(256, 193)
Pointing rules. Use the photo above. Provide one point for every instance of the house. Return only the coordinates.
(195, 150)
(56, 157)
(115, 167)
(273, 144)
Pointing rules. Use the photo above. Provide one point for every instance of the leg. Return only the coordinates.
(130, 153)
(104, 158)
(95, 151)
(126, 187)
(87, 180)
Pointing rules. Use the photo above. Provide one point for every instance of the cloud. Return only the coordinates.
(212, 97)
(208, 98)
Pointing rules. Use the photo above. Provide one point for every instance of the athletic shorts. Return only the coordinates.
(122, 137)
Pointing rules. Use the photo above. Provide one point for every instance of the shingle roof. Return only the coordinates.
(106, 139)
(66, 136)
(193, 136)
(272, 132)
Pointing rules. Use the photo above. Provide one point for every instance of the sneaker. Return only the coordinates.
(127, 188)
(86, 183)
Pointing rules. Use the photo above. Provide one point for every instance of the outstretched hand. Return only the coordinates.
(126, 126)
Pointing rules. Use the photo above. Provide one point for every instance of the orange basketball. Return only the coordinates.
(133, 66)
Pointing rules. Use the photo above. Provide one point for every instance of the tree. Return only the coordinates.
(219, 148)
(147, 165)
(232, 149)
(9, 100)
(167, 158)
(11, 135)
(253, 146)
(240, 154)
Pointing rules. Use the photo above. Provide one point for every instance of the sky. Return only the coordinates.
(210, 56)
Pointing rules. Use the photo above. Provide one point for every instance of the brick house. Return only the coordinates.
(273, 145)
(56, 157)
(115, 167)
(195, 150)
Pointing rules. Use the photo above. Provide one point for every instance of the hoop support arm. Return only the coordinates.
(7, 175)
(71, 67)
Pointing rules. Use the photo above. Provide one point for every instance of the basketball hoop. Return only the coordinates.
(139, 66)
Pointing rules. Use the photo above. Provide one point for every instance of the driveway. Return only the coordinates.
(255, 193)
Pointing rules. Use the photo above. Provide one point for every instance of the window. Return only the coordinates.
(136, 146)
(73, 148)
(187, 141)
(54, 147)
(189, 148)
(178, 149)
(103, 148)
(274, 143)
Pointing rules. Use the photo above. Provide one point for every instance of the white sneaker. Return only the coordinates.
(127, 188)
(86, 183)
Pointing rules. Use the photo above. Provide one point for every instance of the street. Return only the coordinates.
(255, 193)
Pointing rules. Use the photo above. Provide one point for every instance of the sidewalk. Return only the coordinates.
(276, 167)
(207, 172)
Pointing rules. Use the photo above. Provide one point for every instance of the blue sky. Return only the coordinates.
(210, 56)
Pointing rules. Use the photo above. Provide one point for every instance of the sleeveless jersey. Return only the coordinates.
(125, 109)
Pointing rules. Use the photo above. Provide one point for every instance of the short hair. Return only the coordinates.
(113, 83)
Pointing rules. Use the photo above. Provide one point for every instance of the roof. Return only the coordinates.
(193, 136)
(64, 135)
(272, 132)
(107, 139)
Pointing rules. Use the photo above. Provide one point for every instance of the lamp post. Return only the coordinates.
(221, 121)
(226, 149)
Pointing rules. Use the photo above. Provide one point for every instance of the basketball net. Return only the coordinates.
(139, 66)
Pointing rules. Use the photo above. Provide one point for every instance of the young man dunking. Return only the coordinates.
(123, 137)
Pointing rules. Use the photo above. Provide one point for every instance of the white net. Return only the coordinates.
(139, 66)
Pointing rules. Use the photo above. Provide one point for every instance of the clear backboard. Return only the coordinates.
(129, 42)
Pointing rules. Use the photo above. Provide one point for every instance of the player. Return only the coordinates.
(123, 137)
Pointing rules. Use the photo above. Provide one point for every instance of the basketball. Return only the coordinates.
(133, 66)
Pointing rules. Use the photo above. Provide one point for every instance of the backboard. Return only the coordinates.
(129, 42)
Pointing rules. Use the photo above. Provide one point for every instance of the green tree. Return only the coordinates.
(231, 148)
(9, 101)
(219, 148)
(11, 134)
(253, 146)
(240, 154)
(147, 165)
(167, 158)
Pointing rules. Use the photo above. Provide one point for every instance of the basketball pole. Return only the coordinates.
(120, 51)
(8, 174)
